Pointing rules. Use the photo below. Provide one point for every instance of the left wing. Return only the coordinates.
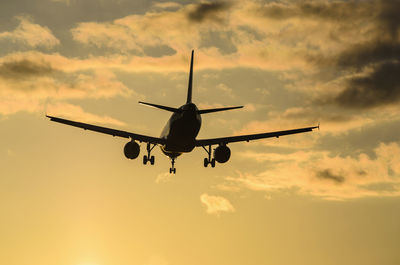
(249, 137)
(113, 132)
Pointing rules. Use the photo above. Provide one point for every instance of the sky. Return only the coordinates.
(331, 196)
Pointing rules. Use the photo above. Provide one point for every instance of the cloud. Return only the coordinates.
(381, 86)
(389, 17)
(74, 112)
(324, 10)
(166, 5)
(108, 35)
(366, 67)
(216, 204)
(362, 54)
(207, 10)
(331, 120)
(321, 174)
(383, 187)
(328, 175)
(306, 35)
(25, 68)
(31, 34)
(132, 35)
(163, 178)
(29, 80)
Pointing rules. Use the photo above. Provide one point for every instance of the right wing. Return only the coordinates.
(249, 137)
(113, 132)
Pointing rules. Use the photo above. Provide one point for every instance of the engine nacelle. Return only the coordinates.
(222, 154)
(132, 150)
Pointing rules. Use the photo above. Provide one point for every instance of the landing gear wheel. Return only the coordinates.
(172, 168)
(209, 160)
(149, 157)
(205, 162)
(212, 162)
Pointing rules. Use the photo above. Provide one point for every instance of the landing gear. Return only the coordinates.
(208, 160)
(148, 157)
(172, 169)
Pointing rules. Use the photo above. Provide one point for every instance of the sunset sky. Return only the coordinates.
(328, 197)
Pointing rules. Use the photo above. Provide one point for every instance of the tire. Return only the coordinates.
(145, 159)
(205, 162)
(174, 170)
(152, 160)
(213, 162)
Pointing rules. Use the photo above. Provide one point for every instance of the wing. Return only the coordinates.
(113, 132)
(250, 137)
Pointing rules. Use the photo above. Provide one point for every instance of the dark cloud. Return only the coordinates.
(221, 40)
(389, 16)
(328, 175)
(374, 64)
(205, 11)
(24, 69)
(371, 52)
(388, 187)
(158, 51)
(380, 87)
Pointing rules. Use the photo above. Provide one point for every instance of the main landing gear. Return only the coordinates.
(209, 160)
(148, 157)
(172, 169)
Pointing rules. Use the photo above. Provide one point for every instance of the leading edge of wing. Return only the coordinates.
(105, 130)
(249, 137)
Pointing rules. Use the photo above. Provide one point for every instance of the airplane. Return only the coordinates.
(180, 132)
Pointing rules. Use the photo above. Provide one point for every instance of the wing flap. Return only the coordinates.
(250, 137)
(109, 131)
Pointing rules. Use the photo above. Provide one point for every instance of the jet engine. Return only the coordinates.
(131, 150)
(222, 154)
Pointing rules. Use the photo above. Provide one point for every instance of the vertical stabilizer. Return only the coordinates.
(189, 95)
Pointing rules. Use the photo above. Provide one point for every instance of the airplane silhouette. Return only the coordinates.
(179, 134)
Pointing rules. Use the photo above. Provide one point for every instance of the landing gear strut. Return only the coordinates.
(148, 157)
(208, 160)
(172, 169)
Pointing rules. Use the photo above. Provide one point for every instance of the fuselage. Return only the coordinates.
(181, 131)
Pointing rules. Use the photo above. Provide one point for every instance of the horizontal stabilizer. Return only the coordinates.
(160, 107)
(203, 111)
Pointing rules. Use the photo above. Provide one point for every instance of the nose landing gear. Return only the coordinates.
(172, 169)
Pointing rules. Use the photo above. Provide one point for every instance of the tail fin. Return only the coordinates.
(189, 95)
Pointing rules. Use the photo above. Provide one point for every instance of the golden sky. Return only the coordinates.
(70, 197)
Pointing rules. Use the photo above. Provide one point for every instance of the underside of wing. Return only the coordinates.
(109, 131)
(250, 137)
